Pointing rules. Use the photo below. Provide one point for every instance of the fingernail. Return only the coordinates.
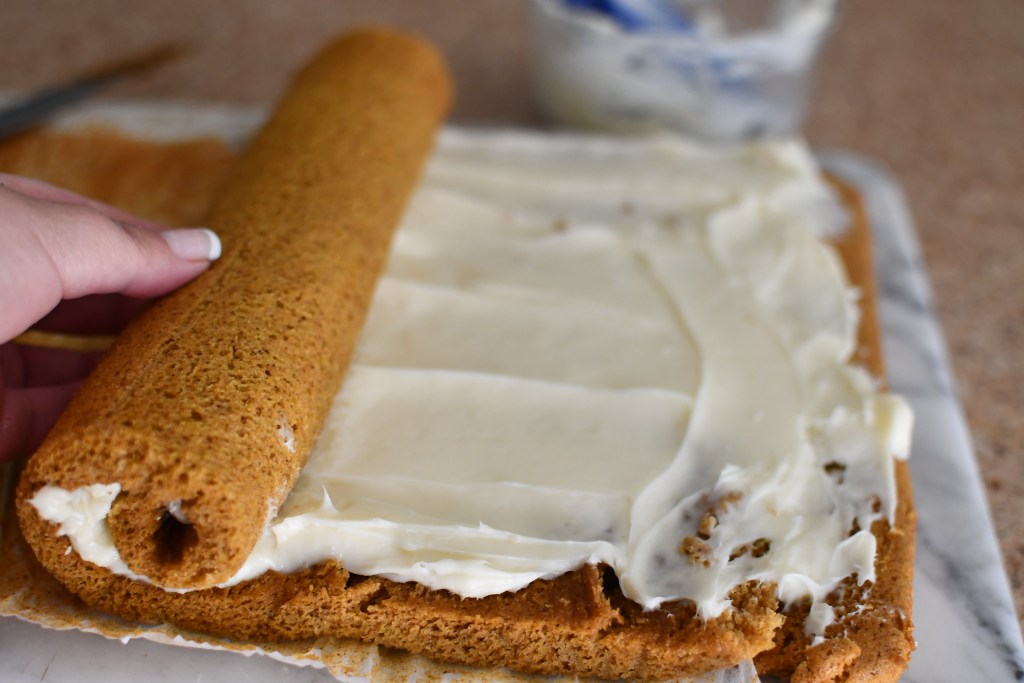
(193, 244)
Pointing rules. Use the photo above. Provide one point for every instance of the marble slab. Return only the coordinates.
(965, 623)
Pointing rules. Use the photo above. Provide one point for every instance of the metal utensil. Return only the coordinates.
(39, 107)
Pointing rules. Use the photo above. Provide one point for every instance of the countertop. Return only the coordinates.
(933, 91)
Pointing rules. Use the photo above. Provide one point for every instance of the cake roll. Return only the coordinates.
(205, 409)
(452, 442)
(615, 411)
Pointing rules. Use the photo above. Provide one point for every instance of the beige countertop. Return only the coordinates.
(933, 90)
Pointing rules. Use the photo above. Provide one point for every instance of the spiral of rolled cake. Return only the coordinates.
(205, 409)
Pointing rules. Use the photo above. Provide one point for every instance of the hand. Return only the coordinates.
(73, 266)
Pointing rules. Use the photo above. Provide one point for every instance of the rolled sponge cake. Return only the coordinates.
(206, 408)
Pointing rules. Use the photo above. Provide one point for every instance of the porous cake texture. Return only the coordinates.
(207, 407)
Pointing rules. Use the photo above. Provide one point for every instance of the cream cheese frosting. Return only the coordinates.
(626, 353)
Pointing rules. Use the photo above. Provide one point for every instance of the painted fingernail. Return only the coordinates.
(193, 244)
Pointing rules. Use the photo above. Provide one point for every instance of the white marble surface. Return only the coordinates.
(965, 625)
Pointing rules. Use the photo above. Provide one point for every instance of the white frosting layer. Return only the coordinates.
(574, 355)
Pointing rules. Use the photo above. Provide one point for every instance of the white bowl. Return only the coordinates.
(708, 83)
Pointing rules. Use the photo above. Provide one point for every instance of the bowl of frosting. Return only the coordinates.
(717, 70)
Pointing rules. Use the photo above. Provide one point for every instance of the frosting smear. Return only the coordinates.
(629, 353)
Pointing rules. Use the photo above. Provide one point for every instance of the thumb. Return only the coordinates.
(51, 251)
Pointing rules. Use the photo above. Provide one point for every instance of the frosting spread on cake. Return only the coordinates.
(638, 356)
